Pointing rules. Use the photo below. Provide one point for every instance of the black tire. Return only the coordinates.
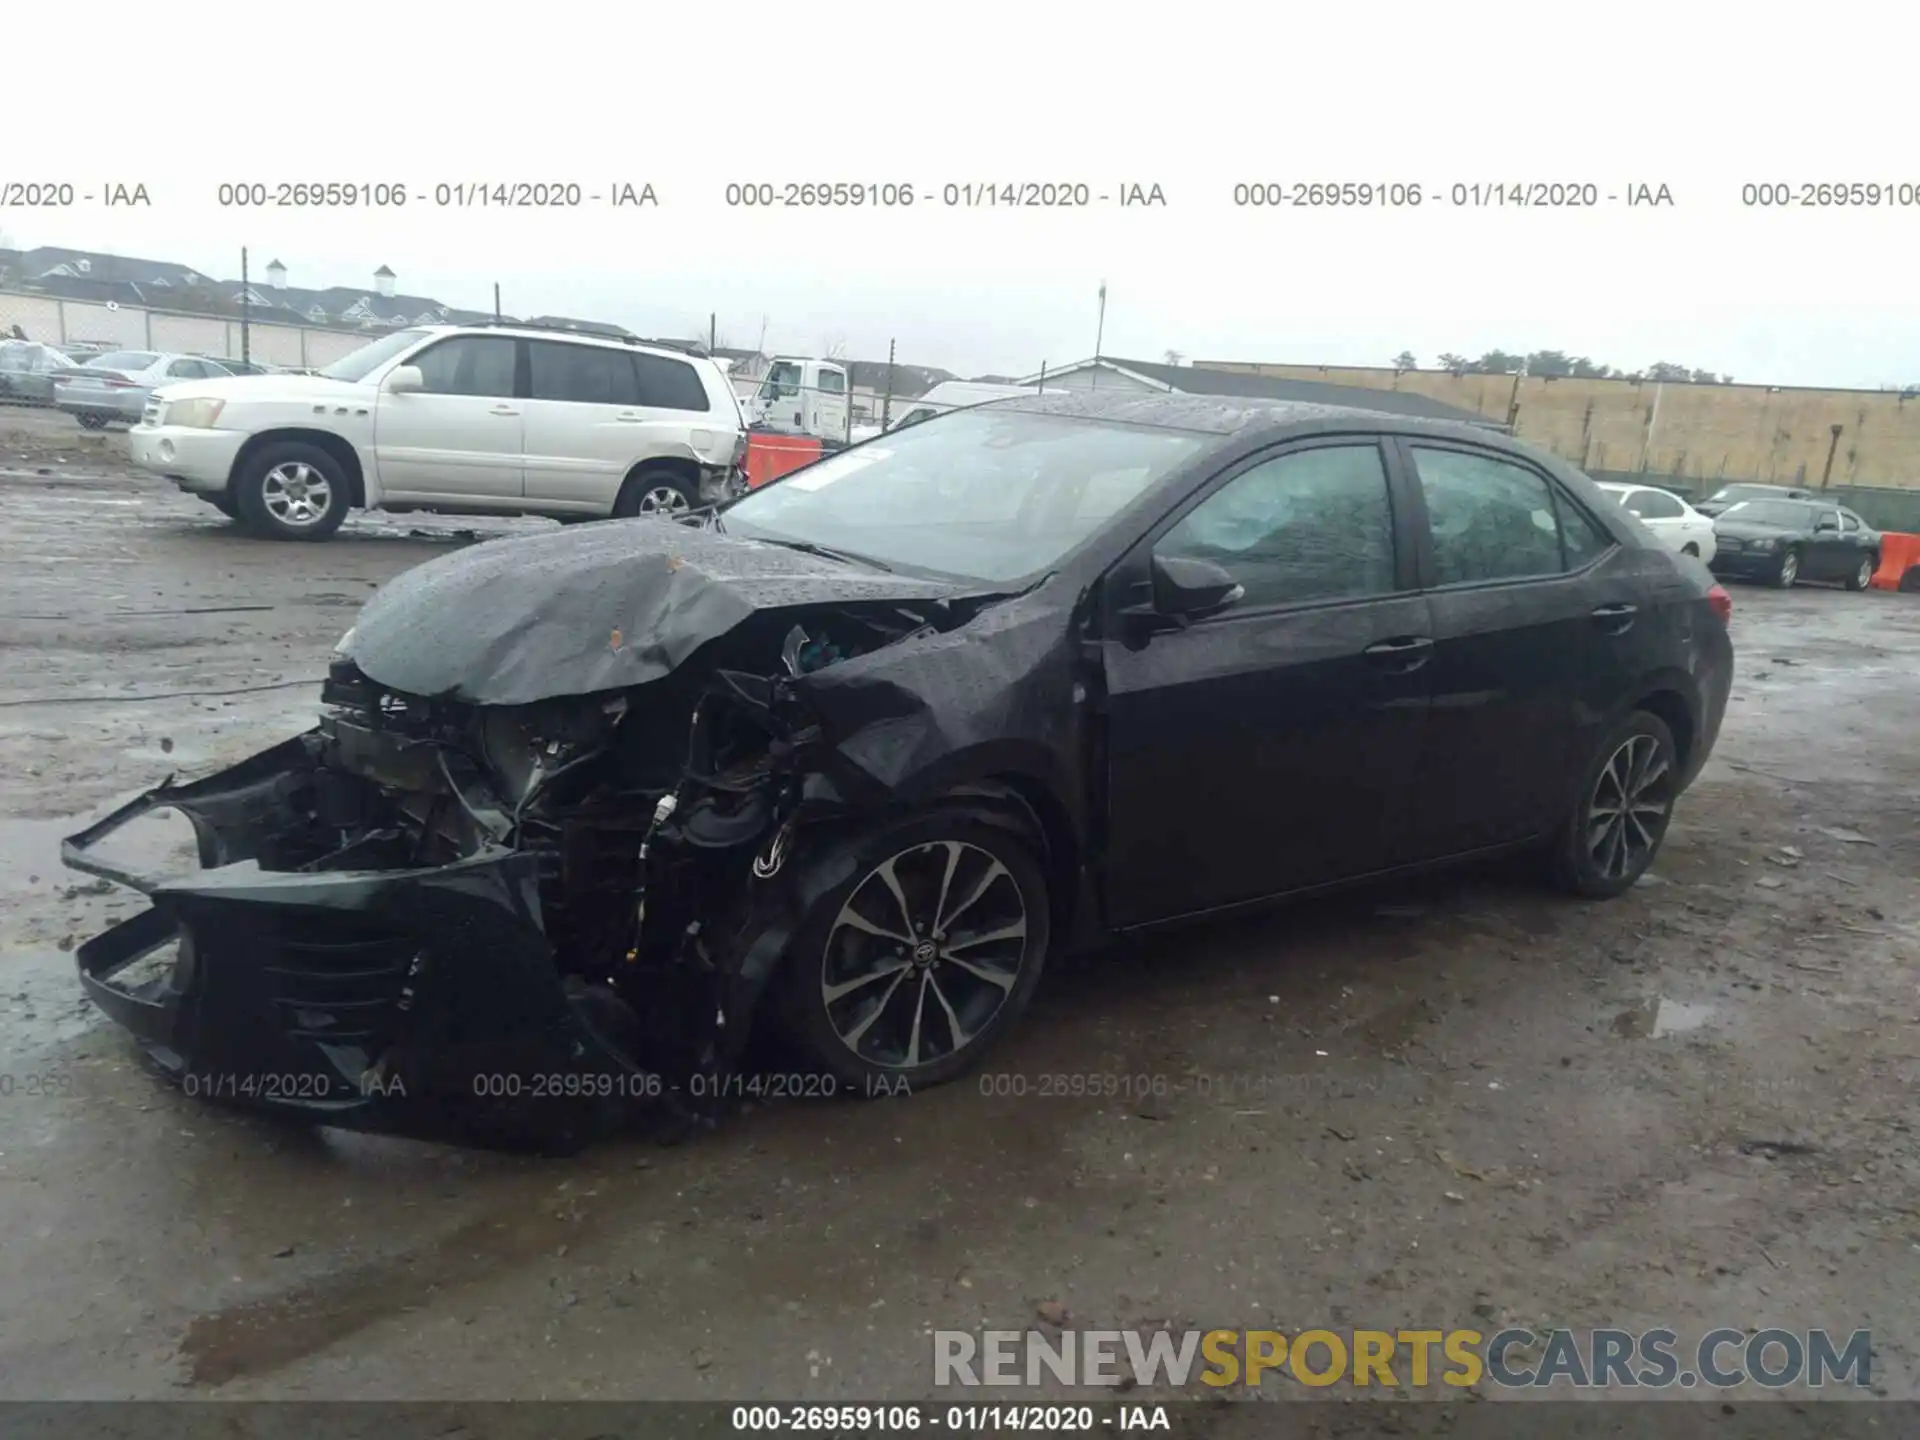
(825, 951)
(647, 489)
(1863, 576)
(223, 502)
(269, 485)
(1585, 860)
(1690, 549)
(1788, 573)
(92, 422)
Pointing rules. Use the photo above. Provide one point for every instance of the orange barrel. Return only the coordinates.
(771, 456)
(1898, 551)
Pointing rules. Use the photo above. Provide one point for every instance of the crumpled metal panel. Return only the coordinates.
(590, 608)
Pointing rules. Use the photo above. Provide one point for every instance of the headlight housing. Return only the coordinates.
(193, 414)
(345, 642)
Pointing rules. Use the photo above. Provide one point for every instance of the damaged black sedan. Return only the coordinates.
(853, 756)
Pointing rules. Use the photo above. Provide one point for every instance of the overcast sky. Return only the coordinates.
(1201, 98)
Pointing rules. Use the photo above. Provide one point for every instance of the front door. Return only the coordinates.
(461, 435)
(1831, 556)
(1538, 623)
(1271, 747)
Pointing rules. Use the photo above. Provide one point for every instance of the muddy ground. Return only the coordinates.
(1465, 1102)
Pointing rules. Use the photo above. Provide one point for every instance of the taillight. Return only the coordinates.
(1722, 603)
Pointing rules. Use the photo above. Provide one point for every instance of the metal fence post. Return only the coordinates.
(886, 396)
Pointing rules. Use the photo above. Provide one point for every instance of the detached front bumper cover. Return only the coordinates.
(415, 1002)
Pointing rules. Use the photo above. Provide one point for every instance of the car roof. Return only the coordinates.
(1225, 415)
(578, 337)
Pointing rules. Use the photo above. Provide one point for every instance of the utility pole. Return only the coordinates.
(1099, 334)
(713, 330)
(886, 398)
(1832, 449)
(496, 301)
(1041, 383)
(246, 310)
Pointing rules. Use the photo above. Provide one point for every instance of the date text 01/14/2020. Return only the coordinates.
(911, 1418)
(953, 195)
(1462, 195)
(457, 195)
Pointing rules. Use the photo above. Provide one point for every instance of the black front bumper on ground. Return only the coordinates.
(416, 1002)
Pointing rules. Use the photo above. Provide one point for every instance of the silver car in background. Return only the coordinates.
(115, 386)
(27, 368)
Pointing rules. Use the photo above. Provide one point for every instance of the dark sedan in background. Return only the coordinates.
(1730, 495)
(1009, 681)
(1782, 542)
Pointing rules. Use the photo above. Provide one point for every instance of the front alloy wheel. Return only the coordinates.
(923, 954)
(1789, 570)
(1863, 577)
(296, 494)
(913, 968)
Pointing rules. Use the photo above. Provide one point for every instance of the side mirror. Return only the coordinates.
(403, 378)
(1184, 590)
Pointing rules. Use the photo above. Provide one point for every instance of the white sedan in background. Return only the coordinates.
(1683, 528)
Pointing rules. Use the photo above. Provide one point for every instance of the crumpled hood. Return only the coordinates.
(590, 608)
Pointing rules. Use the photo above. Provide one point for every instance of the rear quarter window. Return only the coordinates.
(670, 384)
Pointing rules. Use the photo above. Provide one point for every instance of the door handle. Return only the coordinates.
(1400, 654)
(503, 410)
(1615, 619)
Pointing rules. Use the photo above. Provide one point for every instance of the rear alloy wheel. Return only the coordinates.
(291, 491)
(1863, 577)
(92, 422)
(657, 491)
(1789, 570)
(912, 970)
(1626, 802)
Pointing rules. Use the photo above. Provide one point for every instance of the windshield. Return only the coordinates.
(1616, 493)
(1771, 512)
(122, 360)
(1739, 492)
(370, 357)
(990, 495)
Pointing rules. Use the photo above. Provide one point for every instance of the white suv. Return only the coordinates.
(458, 419)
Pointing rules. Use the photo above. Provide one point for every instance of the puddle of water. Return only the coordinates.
(1653, 1019)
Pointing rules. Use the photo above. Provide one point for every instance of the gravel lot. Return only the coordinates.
(1461, 1103)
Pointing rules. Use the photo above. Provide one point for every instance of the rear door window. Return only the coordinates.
(583, 374)
(1492, 519)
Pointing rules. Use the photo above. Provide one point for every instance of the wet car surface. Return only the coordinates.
(1454, 1101)
(583, 808)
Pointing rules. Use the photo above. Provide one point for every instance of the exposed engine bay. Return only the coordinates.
(569, 799)
(645, 817)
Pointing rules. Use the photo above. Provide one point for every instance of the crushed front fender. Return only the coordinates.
(417, 1002)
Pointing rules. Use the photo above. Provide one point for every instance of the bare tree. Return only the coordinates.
(834, 347)
(1173, 357)
(1405, 361)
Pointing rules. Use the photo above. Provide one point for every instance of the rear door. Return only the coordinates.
(583, 422)
(829, 404)
(461, 435)
(1271, 747)
(1540, 621)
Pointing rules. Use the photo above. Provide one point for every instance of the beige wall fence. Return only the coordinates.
(62, 323)
(1863, 445)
